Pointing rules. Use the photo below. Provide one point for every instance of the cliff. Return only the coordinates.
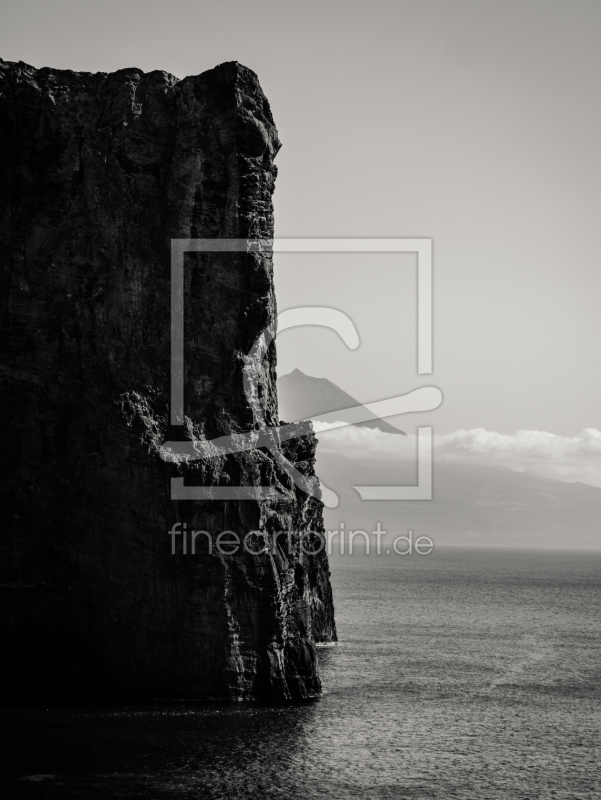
(98, 173)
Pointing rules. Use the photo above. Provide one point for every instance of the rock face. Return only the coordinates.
(98, 174)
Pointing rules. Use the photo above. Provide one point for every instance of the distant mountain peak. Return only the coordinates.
(302, 396)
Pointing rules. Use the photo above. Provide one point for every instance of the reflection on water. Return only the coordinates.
(467, 674)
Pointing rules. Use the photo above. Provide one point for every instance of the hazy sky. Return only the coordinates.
(474, 123)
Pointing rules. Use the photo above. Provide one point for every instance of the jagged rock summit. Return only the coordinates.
(303, 397)
(98, 173)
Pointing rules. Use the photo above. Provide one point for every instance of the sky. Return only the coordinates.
(475, 124)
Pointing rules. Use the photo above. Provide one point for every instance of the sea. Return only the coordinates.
(471, 673)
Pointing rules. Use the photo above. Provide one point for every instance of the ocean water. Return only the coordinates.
(468, 673)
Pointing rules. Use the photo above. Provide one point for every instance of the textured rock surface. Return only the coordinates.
(98, 173)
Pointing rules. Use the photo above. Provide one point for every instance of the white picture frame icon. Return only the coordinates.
(423, 399)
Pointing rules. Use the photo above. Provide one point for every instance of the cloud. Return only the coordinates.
(565, 458)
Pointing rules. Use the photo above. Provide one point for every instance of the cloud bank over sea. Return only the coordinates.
(564, 458)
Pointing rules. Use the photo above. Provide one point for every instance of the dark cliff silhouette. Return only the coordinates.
(98, 173)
